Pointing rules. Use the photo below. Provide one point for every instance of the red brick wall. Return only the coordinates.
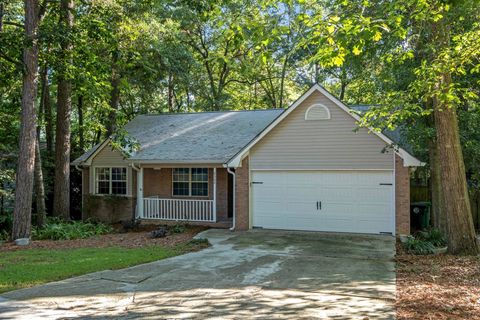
(108, 210)
(159, 183)
(402, 197)
(222, 194)
(242, 185)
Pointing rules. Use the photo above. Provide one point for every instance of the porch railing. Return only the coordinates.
(178, 209)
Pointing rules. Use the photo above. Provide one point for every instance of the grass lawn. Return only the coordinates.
(30, 267)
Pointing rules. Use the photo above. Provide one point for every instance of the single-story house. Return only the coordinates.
(307, 167)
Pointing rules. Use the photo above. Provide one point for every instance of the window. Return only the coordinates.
(190, 182)
(317, 112)
(111, 180)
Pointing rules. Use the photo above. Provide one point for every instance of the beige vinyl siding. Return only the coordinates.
(108, 157)
(320, 145)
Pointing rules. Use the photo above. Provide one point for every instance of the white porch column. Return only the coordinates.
(215, 194)
(140, 193)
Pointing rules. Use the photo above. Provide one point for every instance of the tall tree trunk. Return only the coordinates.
(39, 187)
(438, 214)
(81, 136)
(455, 197)
(114, 94)
(46, 106)
(26, 156)
(61, 204)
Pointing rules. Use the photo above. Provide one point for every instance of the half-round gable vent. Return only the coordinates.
(317, 112)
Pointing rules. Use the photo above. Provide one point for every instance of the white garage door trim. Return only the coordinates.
(254, 220)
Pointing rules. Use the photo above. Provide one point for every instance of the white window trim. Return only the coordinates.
(190, 181)
(318, 105)
(95, 184)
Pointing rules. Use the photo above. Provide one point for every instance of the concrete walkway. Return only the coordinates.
(256, 274)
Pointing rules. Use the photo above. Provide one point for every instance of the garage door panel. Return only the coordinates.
(351, 201)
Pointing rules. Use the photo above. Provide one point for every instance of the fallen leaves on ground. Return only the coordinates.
(437, 287)
(132, 239)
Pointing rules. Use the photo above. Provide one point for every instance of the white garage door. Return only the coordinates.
(339, 201)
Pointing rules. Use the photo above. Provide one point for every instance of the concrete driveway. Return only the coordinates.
(256, 274)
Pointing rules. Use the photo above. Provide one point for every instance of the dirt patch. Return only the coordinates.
(132, 239)
(437, 287)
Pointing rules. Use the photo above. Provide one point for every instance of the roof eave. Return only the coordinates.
(153, 161)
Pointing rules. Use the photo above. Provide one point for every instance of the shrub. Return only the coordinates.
(419, 246)
(178, 228)
(434, 236)
(57, 229)
(4, 235)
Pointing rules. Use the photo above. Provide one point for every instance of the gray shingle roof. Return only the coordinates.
(208, 137)
(86, 155)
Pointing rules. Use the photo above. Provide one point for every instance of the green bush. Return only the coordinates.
(4, 235)
(419, 246)
(178, 228)
(6, 222)
(56, 229)
(434, 236)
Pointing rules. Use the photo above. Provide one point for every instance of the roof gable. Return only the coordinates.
(235, 161)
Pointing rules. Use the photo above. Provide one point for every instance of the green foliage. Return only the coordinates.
(178, 228)
(419, 246)
(4, 235)
(434, 236)
(59, 230)
(425, 242)
(6, 223)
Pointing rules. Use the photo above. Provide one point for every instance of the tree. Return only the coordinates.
(61, 205)
(26, 157)
(443, 37)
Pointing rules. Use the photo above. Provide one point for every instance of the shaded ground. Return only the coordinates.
(437, 287)
(257, 274)
(134, 239)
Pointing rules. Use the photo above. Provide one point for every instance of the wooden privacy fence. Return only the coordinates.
(420, 193)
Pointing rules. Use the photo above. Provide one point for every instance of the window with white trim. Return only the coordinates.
(190, 182)
(111, 180)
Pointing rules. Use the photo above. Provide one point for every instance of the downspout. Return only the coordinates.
(229, 170)
(134, 168)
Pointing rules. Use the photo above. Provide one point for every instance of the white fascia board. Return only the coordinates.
(409, 160)
(88, 162)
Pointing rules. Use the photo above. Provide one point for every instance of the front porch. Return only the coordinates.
(158, 200)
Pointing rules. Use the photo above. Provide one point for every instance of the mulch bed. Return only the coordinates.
(132, 239)
(437, 287)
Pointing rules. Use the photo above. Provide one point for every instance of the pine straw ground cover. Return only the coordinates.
(133, 239)
(437, 287)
